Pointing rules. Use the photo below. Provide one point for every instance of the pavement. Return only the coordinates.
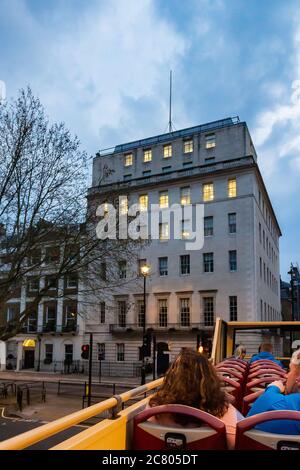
(32, 375)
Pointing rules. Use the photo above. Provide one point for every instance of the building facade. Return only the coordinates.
(235, 275)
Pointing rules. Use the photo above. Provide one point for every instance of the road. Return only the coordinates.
(10, 427)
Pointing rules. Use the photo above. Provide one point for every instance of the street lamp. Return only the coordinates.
(145, 271)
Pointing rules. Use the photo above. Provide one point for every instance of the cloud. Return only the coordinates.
(103, 68)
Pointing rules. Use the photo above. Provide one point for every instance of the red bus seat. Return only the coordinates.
(248, 438)
(262, 382)
(232, 365)
(147, 435)
(266, 372)
(264, 363)
(249, 399)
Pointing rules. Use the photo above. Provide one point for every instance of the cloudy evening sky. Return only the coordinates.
(103, 67)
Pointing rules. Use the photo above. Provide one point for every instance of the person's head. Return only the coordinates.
(293, 376)
(240, 352)
(192, 380)
(266, 347)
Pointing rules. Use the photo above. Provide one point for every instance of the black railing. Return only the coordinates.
(52, 327)
(106, 369)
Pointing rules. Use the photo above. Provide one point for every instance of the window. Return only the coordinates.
(163, 199)
(51, 282)
(185, 229)
(147, 155)
(209, 160)
(51, 315)
(52, 254)
(188, 146)
(208, 309)
(208, 262)
(232, 222)
(147, 173)
(187, 163)
(163, 312)
(165, 169)
(208, 191)
(122, 313)
(232, 261)
(120, 352)
(185, 264)
(167, 150)
(210, 141)
(264, 239)
(123, 205)
(185, 312)
(260, 267)
(128, 159)
(143, 202)
(71, 281)
(127, 177)
(12, 312)
(164, 231)
(68, 353)
(185, 196)
(32, 321)
(232, 187)
(122, 269)
(48, 353)
(233, 308)
(259, 230)
(101, 351)
(141, 313)
(163, 266)
(70, 313)
(103, 271)
(102, 312)
(34, 257)
(208, 226)
(33, 284)
(261, 310)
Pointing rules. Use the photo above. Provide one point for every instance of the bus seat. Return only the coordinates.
(232, 365)
(210, 434)
(264, 363)
(264, 372)
(262, 382)
(234, 388)
(249, 399)
(248, 438)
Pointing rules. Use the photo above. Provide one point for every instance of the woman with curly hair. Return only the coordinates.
(192, 380)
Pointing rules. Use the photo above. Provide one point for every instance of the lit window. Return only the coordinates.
(185, 229)
(143, 202)
(163, 199)
(210, 141)
(232, 188)
(123, 205)
(105, 208)
(188, 146)
(208, 192)
(128, 159)
(185, 196)
(167, 151)
(164, 231)
(147, 155)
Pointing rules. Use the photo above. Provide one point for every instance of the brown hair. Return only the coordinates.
(192, 380)
(266, 347)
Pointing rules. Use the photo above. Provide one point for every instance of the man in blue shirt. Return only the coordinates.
(266, 350)
(273, 399)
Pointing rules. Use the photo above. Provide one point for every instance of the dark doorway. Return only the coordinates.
(29, 359)
(162, 358)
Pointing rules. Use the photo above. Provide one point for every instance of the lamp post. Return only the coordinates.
(145, 271)
(292, 289)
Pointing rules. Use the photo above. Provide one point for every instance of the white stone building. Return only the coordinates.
(236, 273)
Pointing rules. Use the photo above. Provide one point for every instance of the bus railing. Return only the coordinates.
(113, 405)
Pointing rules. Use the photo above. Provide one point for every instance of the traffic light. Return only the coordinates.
(147, 339)
(85, 351)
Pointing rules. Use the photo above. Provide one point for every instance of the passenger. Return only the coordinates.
(274, 399)
(192, 380)
(240, 352)
(293, 376)
(266, 350)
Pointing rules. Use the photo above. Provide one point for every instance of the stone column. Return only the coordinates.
(2, 355)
